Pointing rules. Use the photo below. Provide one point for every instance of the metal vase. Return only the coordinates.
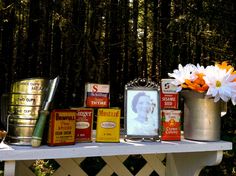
(202, 117)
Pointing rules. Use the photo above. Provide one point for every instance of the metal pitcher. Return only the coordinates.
(202, 116)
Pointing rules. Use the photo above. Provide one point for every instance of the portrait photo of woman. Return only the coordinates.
(142, 116)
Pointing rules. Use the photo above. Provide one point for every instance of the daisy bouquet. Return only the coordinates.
(217, 81)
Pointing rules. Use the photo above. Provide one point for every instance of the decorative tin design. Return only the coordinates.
(171, 127)
(84, 124)
(97, 95)
(62, 127)
(108, 125)
(169, 96)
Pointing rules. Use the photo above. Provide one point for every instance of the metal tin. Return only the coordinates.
(62, 127)
(84, 124)
(21, 130)
(171, 126)
(30, 86)
(202, 117)
(18, 140)
(22, 121)
(24, 110)
(108, 125)
(25, 99)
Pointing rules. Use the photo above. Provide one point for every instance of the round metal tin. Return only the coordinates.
(18, 140)
(24, 110)
(22, 122)
(20, 131)
(25, 99)
(30, 86)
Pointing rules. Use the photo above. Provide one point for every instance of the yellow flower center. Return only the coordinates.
(218, 83)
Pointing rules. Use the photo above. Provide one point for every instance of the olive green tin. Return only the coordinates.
(30, 86)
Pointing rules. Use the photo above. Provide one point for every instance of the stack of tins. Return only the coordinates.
(25, 100)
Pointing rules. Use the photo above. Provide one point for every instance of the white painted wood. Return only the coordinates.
(146, 170)
(116, 165)
(109, 149)
(70, 167)
(195, 155)
(9, 168)
(107, 170)
(156, 164)
(186, 164)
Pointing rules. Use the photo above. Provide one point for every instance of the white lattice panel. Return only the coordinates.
(113, 164)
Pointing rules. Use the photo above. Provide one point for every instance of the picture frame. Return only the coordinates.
(142, 110)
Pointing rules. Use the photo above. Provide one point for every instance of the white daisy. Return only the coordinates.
(183, 73)
(220, 83)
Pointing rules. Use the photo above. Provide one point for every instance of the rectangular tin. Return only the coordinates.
(108, 125)
(167, 87)
(62, 127)
(169, 101)
(84, 124)
(97, 95)
(170, 125)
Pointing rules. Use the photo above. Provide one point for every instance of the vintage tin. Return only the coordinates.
(108, 125)
(84, 124)
(30, 86)
(169, 96)
(167, 87)
(25, 99)
(24, 110)
(170, 125)
(62, 127)
(97, 95)
(169, 101)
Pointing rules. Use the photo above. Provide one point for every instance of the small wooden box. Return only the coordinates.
(62, 127)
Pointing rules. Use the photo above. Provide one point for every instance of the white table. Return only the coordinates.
(184, 157)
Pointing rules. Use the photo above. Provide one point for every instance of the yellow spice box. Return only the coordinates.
(108, 125)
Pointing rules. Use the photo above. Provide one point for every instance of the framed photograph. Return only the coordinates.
(142, 110)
